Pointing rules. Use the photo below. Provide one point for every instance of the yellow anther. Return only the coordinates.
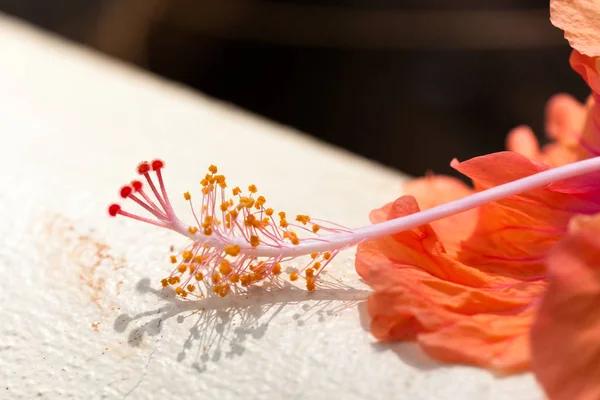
(199, 276)
(310, 284)
(232, 250)
(252, 188)
(212, 169)
(179, 290)
(164, 282)
(173, 259)
(236, 190)
(246, 279)
(269, 212)
(208, 231)
(182, 268)
(221, 290)
(220, 179)
(234, 278)
(281, 214)
(249, 221)
(204, 182)
(260, 201)
(205, 190)
(187, 255)
(257, 276)
(294, 276)
(314, 255)
(283, 223)
(224, 207)
(192, 230)
(276, 270)
(199, 259)
(316, 228)
(316, 265)
(225, 267)
(191, 288)
(327, 255)
(216, 278)
(233, 213)
(292, 236)
(208, 220)
(224, 291)
(254, 241)
(187, 196)
(309, 273)
(245, 202)
(304, 219)
(172, 280)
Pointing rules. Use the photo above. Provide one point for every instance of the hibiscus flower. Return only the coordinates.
(469, 288)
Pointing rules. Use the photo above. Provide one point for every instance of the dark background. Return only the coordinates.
(411, 84)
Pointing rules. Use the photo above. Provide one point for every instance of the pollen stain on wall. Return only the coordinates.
(76, 259)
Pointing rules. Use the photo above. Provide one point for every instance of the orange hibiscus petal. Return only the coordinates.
(539, 205)
(565, 117)
(587, 67)
(514, 235)
(566, 336)
(500, 347)
(522, 140)
(580, 21)
(470, 298)
(452, 309)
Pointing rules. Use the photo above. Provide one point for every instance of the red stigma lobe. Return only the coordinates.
(114, 209)
(143, 168)
(125, 191)
(157, 164)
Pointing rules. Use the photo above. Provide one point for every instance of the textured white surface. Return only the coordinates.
(81, 315)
